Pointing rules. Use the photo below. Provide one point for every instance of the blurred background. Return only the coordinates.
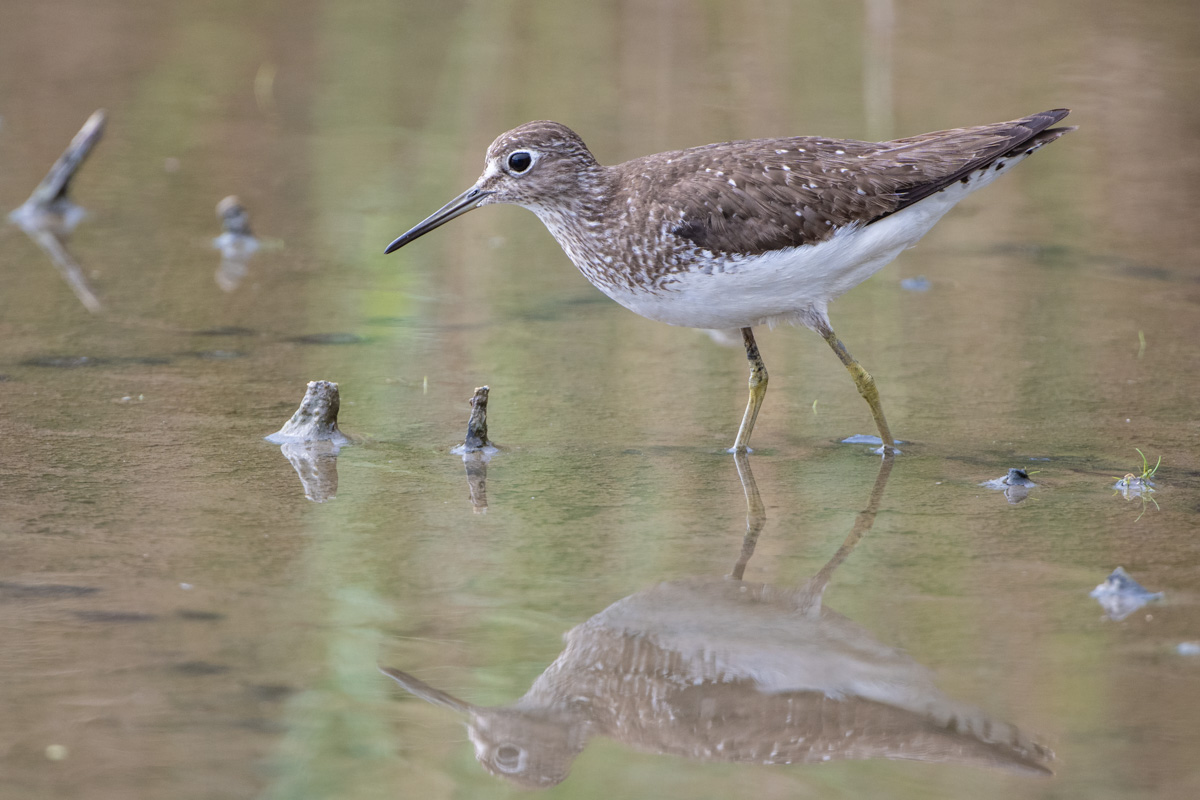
(181, 617)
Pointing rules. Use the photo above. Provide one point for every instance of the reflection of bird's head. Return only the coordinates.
(532, 748)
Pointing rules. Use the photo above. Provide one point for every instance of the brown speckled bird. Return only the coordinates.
(738, 234)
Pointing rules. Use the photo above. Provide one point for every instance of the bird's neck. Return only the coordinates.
(583, 201)
(584, 223)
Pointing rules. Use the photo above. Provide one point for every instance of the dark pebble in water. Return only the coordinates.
(260, 725)
(1033, 251)
(917, 284)
(271, 692)
(1147, 273)
(202, 616)
(231, 330)
(114, 616)
(587, 299)
(1018, 477)
(71, 362)
(214, 355)
(328, 338)
(543, 314)
(200, 668)
(390, 321)
(62, 362)
(1015, 479)
(3, 378)
(8, 589)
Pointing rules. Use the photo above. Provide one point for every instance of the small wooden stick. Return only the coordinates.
(477, 437)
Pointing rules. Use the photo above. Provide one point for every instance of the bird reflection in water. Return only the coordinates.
(727, 670)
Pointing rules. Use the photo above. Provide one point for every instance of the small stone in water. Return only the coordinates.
(328, 338)
(1015, 485)
(1015, 477)
(1120, 595)
(1133, 486)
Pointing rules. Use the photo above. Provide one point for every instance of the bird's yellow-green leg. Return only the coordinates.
(758, 389)
(866, 387)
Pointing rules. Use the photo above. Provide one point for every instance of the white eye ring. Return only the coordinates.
(519, 161)
(505, 761)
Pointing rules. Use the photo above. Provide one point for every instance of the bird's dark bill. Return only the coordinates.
(455, 208)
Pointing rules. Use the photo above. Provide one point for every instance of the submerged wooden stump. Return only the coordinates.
(51, 193)
(49, 215)
(316, 418)
(310, 440)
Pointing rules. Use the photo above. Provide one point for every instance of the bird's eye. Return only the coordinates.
(510, 758)
(520, 161)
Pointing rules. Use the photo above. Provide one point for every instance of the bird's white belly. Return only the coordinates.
(792, 285)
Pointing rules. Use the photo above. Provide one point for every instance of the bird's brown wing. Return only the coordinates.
(766, 194)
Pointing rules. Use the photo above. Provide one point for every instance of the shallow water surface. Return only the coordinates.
(610, 606)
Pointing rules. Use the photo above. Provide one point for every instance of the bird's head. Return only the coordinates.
(538, 165)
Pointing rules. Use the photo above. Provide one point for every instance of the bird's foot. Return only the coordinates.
(882, 450)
